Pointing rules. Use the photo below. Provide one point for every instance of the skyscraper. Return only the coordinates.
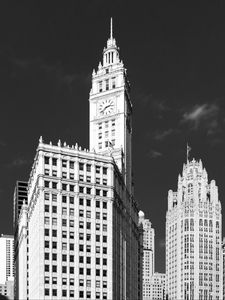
(193, 237)
(7, 265)
(82, 219)
(148, 267)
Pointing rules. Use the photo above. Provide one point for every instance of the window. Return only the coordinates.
(54, 232)
(81, 224)
(104, 284)
(81, 189)
(81, 213)
(46, 220)
(47, 172)
(64, 281)
(54, 221)
(71, 188)
(81, 166)
(100, 86)
(46, 208)
(71, 247)
(104, 227)
(104, 262)
(88, 259)
(46, 196)
(97, 249)
(46, 292)
(98, 192)
(54, 280)
(54, 197)
(46, 256)
(104, 216)
(64, 294)
(88, 168)
(104, 193)
(88, 248)
(54, 209)
(97, 203)
(81, 282)
(81, 271)
(46, 160)
(81, 201)
(54, 245)
(88, 225)
(64, 269)
(89, 179)
(64, 222)
(72, 293)
(54, 292)
(71, 223)
(71, 258)
(107, 84)
(46, 232)
(71, 235)
(64, 246)
(97, 180)
(104, 239)
(104, 181)
(64, 211)
(71, 176)
(54, 256)
(81, 294)
(81, 177)
(54, 173)
(71, 212)
(71, 270)
(46, 268)
(54, 185)
(88, 271)
(46, 183)
(97, 260)
(104, 250)
(88, 237)
(64, 257)
(97, 238)
(97, 169)
(97, 272)
(104, 204)
(113, 82)
(47, 280)
(97, 215)
(88, 191)
(54, 161)
(104, 272)
(71, 165)
(64, 163)
(88, 295)
(64, 186)
(64, 175)
(64, 234)
(71, 281)
(88, 214)
(81, 248)
(97, 283)
(64, 199)
(97, 226)
(71, 200)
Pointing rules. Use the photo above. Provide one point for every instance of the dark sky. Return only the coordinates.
(175, 55)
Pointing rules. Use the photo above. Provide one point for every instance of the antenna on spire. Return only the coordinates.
(188, 150)
(111, 28)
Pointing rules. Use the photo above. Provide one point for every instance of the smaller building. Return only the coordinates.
(223, 256)
(7, 289)
(7, 266)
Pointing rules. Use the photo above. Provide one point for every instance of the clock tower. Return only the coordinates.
(110, 118)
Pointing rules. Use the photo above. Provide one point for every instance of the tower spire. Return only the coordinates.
(188, 150)
(111, 28)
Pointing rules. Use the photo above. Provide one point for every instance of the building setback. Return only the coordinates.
(193, 237)
(82, 218)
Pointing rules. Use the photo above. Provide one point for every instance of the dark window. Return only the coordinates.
(46, 160)
(54, 161)
(54, 185)
(46, 208)
(54, 268)
(71, 165)
(46, 256)
(64, 269)
(104, 204)
(81, 166)
(54, 209)
(46, 292)
(64, 199)
(64, 257)
(81, 201)
(97, 203)
(71, 200)
(88, 167)
(64, 187)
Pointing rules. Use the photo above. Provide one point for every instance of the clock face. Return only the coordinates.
(106, 107)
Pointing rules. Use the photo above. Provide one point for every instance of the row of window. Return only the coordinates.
(71, 294)
(71, 188)
(106, 84)
(82, 166)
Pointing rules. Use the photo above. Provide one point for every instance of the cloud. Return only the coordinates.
(205, 116)
(162, 243)
(18, 162)
(161, 135)
(154, 154)
(2, 143)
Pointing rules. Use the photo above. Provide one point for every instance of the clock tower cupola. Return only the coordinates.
(110, 115)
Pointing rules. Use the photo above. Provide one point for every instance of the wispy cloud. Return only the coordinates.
(18, 162)
(162, 243)
(154, 154)
(204, 115)
(163, 134)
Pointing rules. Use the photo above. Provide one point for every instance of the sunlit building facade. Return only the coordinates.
(82, 218)
(193, 237)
